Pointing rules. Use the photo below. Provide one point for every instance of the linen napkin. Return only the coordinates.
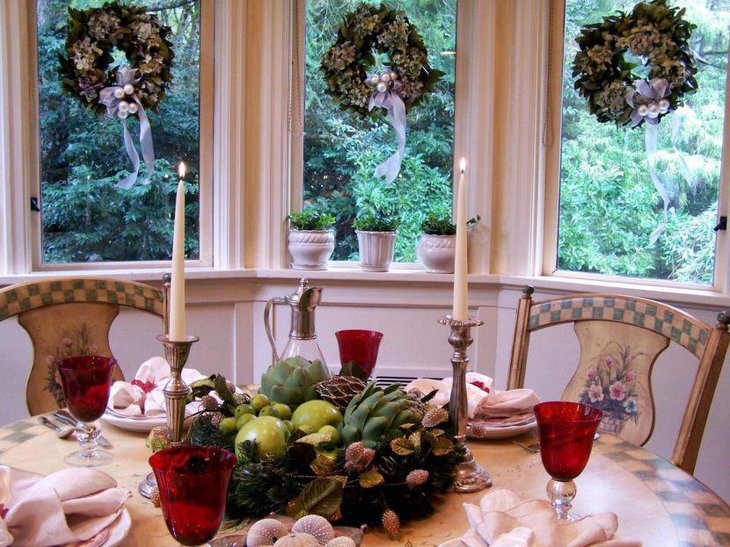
(484, 402)
(68, 506)
(502, 519)
(144, 395)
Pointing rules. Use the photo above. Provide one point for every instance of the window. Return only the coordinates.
(611, 213)
(341, 150)
(85, 217)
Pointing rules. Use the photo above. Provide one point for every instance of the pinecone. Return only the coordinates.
(391, 523)
(155, 497)
(339, 390)
(417, 477)
(208, 402)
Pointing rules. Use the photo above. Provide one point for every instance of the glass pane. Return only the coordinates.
(85, 216)
(341, 150)
(609, 204)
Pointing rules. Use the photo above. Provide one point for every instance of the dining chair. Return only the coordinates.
(620, 339)
(72, 316)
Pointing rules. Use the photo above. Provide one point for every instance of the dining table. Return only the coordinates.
(656, 502)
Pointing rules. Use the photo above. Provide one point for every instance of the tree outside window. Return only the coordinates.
(341, 151)
(84, 216)
(609, 206)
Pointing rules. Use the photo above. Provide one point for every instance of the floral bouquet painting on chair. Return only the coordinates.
(610, 385)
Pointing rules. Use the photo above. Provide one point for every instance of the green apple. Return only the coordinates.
(269, 437)
(282, 411)
(259, 401)
(289, 425)
(330, 431)
(227, 425)
(245, 408)
(277, 422)
(269, 411)
(244, 419)
(316, 414)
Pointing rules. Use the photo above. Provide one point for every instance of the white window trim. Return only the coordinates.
(552, 143)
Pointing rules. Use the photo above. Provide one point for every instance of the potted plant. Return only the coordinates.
(311, 239)
(437, 245)
(376, 241)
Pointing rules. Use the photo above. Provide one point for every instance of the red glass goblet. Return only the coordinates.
(193, 483)
(360, 346)
(86, 381)
(566, 433)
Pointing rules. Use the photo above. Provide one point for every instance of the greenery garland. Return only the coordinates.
(371, 30)
(655, 33)
(89, 64)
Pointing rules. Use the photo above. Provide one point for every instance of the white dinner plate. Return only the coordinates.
(481, 430)
(134, 424)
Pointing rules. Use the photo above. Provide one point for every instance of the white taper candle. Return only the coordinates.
(461, 264)
(177, 285)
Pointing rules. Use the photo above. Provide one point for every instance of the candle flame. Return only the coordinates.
(181, 170)
(462, 165)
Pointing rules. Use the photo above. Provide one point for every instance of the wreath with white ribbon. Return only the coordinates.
(89, 73)
(658, 37)
(397, 86)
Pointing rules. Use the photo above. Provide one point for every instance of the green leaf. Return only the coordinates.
(371, 478)
(321, 497)
(351, 368)
(222, 390)
(401, 446)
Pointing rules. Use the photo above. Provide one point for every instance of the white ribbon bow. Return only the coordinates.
(385, 95)
(121, 101)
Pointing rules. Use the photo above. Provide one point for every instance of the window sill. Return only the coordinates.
(697, 298)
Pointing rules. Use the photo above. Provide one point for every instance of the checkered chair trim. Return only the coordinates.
(664, 320)
(27, 296)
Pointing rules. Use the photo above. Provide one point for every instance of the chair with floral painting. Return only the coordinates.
(620, 339)
(71, 316)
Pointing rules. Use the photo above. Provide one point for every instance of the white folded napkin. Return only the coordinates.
(68, 506)
(502, 519)
(484, 402)
(144, 395)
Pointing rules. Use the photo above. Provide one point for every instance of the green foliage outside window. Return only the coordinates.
(342, 151)
(608, 204)
(85, 217)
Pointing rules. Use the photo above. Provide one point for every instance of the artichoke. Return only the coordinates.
(376, 415)
(292, 381)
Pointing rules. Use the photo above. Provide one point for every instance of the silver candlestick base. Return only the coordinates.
(470, 476)
(176, 395)
(176, 391)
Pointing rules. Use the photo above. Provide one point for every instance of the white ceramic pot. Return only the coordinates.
(311, 249)
(376, 250)
(436, 253)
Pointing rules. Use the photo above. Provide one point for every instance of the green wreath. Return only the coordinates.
(369, 30)
(659, 36)
(93, 35)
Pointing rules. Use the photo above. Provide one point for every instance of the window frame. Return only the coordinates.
(552, 150)
(466, 129)
(34, 248)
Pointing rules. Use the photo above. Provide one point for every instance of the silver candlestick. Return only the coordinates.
(176, 395)
(470, 476)
(176, 391)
